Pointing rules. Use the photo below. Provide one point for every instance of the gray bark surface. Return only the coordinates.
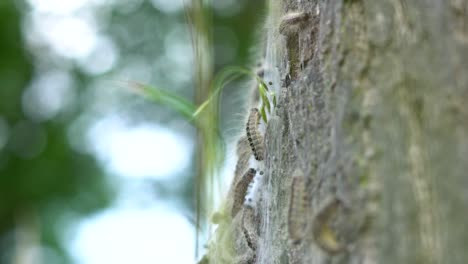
(372, 112)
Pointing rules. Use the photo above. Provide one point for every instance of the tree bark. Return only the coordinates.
(371, 113)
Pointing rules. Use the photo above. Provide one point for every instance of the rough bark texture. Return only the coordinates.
(372, 112)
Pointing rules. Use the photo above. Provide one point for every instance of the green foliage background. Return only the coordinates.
(42, 176)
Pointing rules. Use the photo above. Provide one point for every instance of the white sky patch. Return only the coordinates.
(144, 150)
(143, 236)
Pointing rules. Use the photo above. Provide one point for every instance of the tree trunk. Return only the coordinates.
(372, 122)
(367, 151)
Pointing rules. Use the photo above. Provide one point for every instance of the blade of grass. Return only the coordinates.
(164, 97)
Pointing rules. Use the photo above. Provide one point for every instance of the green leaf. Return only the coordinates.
(263, 85)
(263, 113)
(265, 100)
(274, 99)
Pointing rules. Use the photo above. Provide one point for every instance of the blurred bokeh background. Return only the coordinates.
(89, 171)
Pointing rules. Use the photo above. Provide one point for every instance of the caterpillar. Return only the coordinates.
(248, 220)
(324, 235)
(298, 210)
(243, 155)
(292, 22)
(240, 191)
(253, 135)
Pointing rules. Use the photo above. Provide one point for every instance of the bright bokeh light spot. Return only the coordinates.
(48, 94)
(122, 236)
(72, 37)
(145, 150)
(102, 58)
(58, 6)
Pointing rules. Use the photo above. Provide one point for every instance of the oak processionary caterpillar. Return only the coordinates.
(292, 22)
(298, 210)
(324, 235)
(248, 217)
(240, 191)
(254, 136)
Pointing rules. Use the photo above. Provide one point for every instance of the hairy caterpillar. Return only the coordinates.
(254, 136)
(292, 22)
(240, 191)
(248, 218)
(324, 235)
(298, 210)
(243, 152)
